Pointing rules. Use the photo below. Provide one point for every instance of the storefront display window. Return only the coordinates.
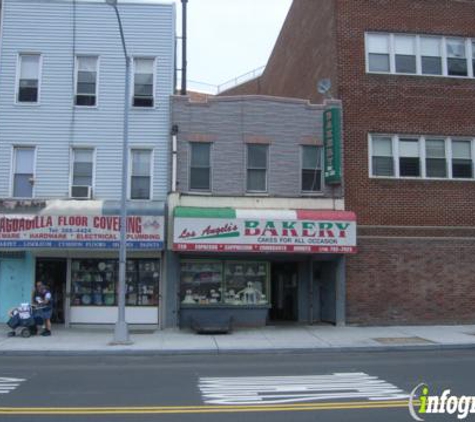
(94, 282)
(243, 283)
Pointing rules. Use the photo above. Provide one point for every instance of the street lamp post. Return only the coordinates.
(121, 332)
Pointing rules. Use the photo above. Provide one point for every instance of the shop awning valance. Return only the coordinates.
(259, 230)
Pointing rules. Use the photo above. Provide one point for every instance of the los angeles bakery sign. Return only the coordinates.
(79, 232)
(316, 232)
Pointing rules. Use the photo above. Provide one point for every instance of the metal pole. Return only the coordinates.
(184, 48)
(121, 332)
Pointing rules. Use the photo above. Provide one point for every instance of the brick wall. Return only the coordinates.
(323, 37)
(405, 105)
(410, 281)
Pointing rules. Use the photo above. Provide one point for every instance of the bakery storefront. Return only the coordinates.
(74, 251)
(258, 267)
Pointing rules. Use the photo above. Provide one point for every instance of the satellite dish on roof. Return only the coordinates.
(324, 85)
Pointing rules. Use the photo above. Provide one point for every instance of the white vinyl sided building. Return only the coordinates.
(62, 73)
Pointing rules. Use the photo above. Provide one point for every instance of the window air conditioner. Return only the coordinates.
(81, 192)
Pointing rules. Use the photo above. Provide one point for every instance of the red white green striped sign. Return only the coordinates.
(244, 230)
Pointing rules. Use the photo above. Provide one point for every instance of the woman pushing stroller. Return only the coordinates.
(42, 300)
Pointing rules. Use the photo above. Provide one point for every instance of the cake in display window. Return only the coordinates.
(243, 283)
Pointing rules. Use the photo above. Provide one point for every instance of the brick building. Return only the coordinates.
(404, 70)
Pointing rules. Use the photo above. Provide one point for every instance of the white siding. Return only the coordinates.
(55, 126)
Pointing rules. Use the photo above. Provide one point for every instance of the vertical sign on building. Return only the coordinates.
(332, 145)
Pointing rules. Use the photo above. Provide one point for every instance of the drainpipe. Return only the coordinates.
(174, 134)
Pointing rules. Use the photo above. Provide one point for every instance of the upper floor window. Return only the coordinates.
(426, 157)
(405, 53)
(431, 55)
(141, 174)
(462, 159)
(378, 53)
(382, 157)
(23, 177)
(86, 81)
(143, 83)
(257, 167)
(311, 168)
(200, 166)
(28, 78)
(82, 173)
(411, 54)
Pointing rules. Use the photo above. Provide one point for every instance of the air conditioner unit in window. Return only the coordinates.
(81, 192)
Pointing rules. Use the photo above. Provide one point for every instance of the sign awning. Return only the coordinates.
(244, 230)
(80, 231)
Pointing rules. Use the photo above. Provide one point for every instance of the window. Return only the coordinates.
(409, 163)
(382, 160)
(423, 156)
(257, 168)
(462, 167)
(405, 53)
(311, 169)
(140, 183)
(411, 54)
(28, 78)
(83, 167)
(378, 53)
(456, 59)
(86, 81)
(24, 171)
(436, 164)
(200, 166)
(431, 59)
(143, 82)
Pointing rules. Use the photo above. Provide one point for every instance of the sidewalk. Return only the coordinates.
(304, 339)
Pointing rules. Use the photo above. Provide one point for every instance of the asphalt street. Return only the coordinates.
(288, 387)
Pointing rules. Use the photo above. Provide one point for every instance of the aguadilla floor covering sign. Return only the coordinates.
(227, 229)
(76, 231)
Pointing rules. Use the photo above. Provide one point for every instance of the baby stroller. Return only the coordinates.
(25, 320)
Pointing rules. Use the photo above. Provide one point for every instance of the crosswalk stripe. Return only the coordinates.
(297, 389)
(8, 385)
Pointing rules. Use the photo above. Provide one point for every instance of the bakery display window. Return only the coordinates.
(232, 283)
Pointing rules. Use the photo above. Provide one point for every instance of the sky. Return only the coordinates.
(228, 38)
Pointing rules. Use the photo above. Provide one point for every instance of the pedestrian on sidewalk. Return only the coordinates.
(42, 299)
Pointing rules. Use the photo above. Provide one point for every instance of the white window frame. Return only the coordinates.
(129, 175)
(322, 171)
(257, 192)
(17, 78)
(14, 148)
(71, 167)
(132, 88)
(422, 156)
(76, 72)
(210, 189)
(392, 55)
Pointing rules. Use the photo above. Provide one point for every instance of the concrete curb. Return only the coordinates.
(217, 352)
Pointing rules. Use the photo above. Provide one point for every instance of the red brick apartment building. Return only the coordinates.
(405, 71)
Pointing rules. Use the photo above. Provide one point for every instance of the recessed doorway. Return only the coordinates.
(53, 273)
(284, 292)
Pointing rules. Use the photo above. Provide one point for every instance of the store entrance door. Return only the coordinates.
(53, 273)
(284, 292)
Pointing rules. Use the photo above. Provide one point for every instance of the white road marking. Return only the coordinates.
(7, 385)
(292, 389)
